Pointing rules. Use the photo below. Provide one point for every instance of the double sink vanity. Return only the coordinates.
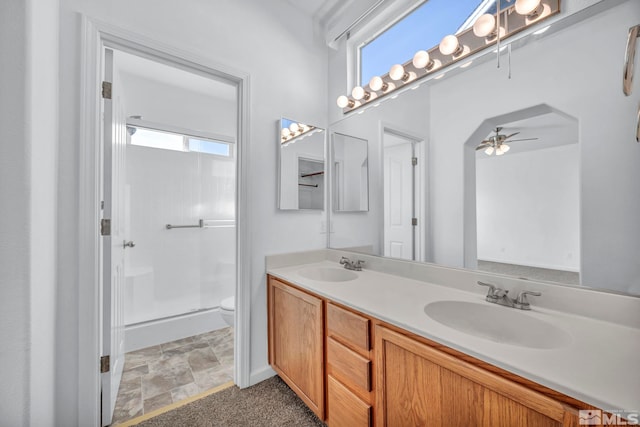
(405, 343)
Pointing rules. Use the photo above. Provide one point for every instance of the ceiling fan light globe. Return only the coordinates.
(505, 148)
(499, 151)
(489, 151)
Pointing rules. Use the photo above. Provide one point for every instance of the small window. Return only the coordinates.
(157, 139)
(421, 29)
(209, 147)
(153, 138)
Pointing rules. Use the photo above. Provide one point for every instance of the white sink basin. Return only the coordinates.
(496, 323)
(328, 274)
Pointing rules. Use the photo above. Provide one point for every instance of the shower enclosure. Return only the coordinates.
(182, 219)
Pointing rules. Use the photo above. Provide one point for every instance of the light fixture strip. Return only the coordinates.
(468, 43)
(289, 135)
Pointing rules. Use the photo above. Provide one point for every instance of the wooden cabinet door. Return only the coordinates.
(418, 385)
(296, 342)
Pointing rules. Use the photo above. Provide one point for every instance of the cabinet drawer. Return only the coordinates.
(345, 408)
(349, 365)
(348, 327)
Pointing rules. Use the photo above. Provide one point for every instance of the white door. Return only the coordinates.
(114, 146)
(398, 198)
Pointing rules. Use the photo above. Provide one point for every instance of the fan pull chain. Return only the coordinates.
(509, 50)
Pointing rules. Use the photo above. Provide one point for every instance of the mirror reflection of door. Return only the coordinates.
(401, 221)
(350, 156)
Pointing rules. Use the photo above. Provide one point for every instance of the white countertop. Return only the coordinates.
(599, 366)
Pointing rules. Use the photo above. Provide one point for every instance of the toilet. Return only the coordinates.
(228, 309)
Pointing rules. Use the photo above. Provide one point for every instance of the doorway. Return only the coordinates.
(169, 263)
(403, 219)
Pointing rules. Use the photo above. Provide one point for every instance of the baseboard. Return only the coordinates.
(260, 375)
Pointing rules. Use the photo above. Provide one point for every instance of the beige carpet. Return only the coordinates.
(269, 403)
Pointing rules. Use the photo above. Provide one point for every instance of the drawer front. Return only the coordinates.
(349, 365)
(348, 327)
(345, 408)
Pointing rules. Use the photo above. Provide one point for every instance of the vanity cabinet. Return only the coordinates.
(355, 370)
(419, 385)
(296, 341)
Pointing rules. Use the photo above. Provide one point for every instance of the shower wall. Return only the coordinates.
(178, 271)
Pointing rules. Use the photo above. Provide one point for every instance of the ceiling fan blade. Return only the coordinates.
(513, 134)
(482, 146)
(524, 139)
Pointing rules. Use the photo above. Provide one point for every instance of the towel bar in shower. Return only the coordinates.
(200, 224)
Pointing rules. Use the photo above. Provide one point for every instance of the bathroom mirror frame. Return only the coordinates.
(314, 140)
(362, 192)
(559, 25)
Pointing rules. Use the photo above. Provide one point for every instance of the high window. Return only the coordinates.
(421, 29)
(153, 138)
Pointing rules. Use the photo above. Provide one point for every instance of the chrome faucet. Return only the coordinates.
(351, 265)
(500, 296)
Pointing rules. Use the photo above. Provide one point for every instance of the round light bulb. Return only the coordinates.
(421, 59)
(357, 92)
(489, 150)
(286, 132)
(342, 101)
(376, 83)
(484, 25)
(505, 148)
(293, 127)
(396, 72)
(449, 45)
(526, 7)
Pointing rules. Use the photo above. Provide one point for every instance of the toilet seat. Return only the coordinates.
(228, 304)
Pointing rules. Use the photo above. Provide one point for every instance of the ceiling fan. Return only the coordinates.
(498, 143)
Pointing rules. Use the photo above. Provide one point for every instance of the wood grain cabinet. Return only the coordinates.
(419, 385)
(349, 371)
(354, 370)
(296, 341)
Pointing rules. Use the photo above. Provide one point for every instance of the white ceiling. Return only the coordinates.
(165, 74)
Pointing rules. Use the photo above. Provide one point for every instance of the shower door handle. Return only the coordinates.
(128, 244)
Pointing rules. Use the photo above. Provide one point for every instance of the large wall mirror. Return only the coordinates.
(301, 183)
(531, 171)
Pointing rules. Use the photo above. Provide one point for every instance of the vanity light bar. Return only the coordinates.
(453, 48)
(294, 130)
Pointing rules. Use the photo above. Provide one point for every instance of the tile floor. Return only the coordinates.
(158, 376)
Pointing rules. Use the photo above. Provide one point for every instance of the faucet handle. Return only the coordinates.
(492, 289)
(344, 260)
(522, 301)
(358, 265)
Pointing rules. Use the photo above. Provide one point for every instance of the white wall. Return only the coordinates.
(528, 208)
(160, 102)
(28, 131)
(252, 36)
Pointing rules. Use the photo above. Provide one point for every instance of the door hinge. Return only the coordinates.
(106, 90)
(105, 227)
(414, 221)
(414, 161)
(105, 364)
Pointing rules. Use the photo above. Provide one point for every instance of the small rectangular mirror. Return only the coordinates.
(301, 166)
(350, 172)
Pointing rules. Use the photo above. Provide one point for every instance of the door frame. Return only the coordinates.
(95, 36)
(420, 191)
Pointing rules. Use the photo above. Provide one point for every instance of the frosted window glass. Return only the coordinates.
(157, 139)
(209, 147)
